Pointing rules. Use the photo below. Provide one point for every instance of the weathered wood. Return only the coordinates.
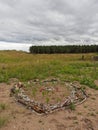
(95, 58)
(77, 96)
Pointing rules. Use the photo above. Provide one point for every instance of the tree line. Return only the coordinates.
(63, 49)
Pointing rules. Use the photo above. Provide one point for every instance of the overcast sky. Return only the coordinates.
(48, 22)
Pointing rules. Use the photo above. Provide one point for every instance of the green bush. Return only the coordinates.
(2, 106)
(89, 82)
(3, 121)
(72, 106)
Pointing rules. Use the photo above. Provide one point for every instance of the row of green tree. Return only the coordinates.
(63, 49)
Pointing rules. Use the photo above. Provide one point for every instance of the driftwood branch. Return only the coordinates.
(78, 96)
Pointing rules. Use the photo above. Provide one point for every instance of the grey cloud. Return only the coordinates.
(32, 21)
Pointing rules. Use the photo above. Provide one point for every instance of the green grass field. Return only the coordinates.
(69, 67)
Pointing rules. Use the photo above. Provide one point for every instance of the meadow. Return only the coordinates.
(66, 67)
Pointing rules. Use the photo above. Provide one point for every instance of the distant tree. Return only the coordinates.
(63, 49)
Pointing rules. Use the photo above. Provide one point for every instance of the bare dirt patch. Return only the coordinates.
(84, 117)
(47, 91)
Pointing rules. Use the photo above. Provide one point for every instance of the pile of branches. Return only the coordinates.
(77, 96)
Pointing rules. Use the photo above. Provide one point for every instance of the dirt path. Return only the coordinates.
(85, 117)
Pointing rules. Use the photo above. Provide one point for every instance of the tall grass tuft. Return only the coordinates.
(3, 121)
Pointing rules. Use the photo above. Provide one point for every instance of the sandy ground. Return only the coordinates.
(84, 117)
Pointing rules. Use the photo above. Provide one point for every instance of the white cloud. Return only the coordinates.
(14, 46)
(30, 21)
